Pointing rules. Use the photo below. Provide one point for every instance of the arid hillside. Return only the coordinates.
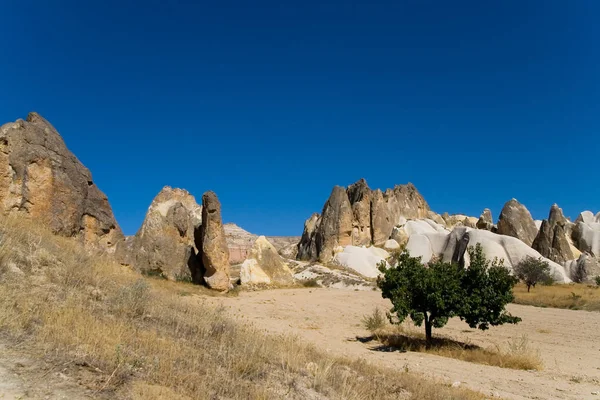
(86, 327)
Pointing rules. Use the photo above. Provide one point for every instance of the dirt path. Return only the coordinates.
(569, 341)
(27, 377)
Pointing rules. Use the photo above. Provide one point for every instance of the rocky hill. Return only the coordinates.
(240, 243)
(41, 179)
(358, 216)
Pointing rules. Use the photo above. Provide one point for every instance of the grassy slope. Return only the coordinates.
(147, 342)
(575, 296)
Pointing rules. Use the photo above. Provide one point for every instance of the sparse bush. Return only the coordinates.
(183, 277)
(311, 283)
(597, 280)
(153, 273)
(532, 271)
(132, 300)
(374, 321)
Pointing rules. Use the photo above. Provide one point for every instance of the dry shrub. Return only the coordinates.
(375, 321)
(574, 296)
(515, 354)
(149, 342)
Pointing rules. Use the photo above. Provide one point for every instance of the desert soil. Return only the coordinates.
(568, 341)
(24, 375)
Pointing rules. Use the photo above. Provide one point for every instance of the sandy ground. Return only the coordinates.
(569, 341)
(24, 376)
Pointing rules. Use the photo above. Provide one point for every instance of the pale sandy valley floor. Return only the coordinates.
(568, 341)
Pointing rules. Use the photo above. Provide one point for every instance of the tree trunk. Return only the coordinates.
(427, 332)
(528, 288)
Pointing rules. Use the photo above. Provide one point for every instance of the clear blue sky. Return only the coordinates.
(271, 104)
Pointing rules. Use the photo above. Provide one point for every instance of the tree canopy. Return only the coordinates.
(435, 292)
(533, 271)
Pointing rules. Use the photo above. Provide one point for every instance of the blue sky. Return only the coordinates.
(271, 104)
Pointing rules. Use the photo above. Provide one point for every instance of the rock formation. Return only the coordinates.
(165, 242)
(307, 247)
(583, 269)
(265, 265)
(391, 245)
(586, 233)
(516, 221)
(552, 241)
(240, 242)
(363, 260)
(212, 246)
(436, 217)
(359, 196)
(452, 247)
(485, 220)
(40, 178)
(359, 216)
(450, 221)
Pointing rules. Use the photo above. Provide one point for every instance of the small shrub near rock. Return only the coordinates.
(374, 321)
(311, 283)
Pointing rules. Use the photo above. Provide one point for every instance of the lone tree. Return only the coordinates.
(426, 294)
(532, 271)
(433, 293)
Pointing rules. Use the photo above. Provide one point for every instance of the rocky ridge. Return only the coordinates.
(42, 180)
(358, 216)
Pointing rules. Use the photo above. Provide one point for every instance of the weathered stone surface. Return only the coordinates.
(431, 241)
(586, 233)
(470, 222)
(584, 269)
(436, 217)
(212, 246)
(485, 220)
(359, 216)
(454, 220)
(552, 241)
(516, 221)
(391, 245)
(240, 242)
(335, 228)
(382, 219)
(41, 179)
(363, 260)
(359, 196)
(399, 235)
(165, 242)
(307, 247)
(265, 265)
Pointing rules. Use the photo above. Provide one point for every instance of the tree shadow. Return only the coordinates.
(389, 342)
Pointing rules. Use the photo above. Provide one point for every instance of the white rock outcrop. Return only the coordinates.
(391, 245)
(428, 242)
(586, 233)
(363, 260)
(264, 265)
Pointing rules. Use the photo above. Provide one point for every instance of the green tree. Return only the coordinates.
(433, 293)
(487, 289)
(532, 271)
(427, 294)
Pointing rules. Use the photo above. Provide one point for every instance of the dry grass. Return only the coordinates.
(575, 296)
(515, 354)
(148, 342)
